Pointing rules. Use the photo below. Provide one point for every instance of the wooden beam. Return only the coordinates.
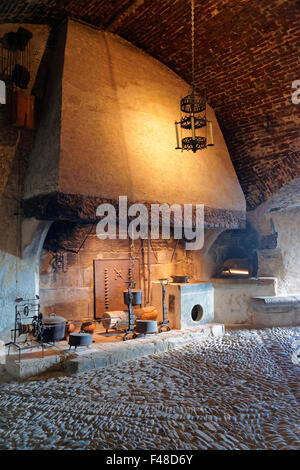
(119, 19)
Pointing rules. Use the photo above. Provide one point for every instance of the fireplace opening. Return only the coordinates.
(235, 254)
(197, 312)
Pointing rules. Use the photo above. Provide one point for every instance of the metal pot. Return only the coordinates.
(137, 297)
(54, 328)
(146, 327)
(80, 339)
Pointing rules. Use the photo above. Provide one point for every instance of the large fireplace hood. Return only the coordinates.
(108, 130)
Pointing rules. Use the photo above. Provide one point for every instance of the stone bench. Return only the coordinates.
(276, 311)
(232, 297)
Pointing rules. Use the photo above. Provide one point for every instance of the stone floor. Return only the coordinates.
(239, 391)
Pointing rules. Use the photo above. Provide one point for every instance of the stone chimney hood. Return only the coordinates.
(108, 130)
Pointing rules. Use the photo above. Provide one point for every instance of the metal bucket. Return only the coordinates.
(80, 339)
(137, 297)
(146, 327)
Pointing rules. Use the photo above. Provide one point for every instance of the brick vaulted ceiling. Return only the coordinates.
(247, 56)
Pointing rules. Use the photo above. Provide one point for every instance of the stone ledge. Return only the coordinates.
(272, 311)
(270, 320)
(235, 283)
(103, 355)
(232, 297)
(31, 366)
(141, 347)
(270, 304)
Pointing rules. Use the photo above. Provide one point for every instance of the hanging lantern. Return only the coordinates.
(194, 108)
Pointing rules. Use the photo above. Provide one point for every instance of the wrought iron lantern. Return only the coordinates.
(194, 108)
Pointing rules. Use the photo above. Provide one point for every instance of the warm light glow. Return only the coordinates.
(193, 126)
(210, 134)
(244, 272)
(177, 136)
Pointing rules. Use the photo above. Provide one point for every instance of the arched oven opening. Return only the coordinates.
(235, 254)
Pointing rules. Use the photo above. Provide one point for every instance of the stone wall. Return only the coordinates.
(42, 174)
(277, 222)
(19, 275)
(15, 147)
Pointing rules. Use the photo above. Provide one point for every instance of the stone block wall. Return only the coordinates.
(71, 293)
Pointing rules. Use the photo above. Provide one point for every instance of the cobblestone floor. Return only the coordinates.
(240, 391)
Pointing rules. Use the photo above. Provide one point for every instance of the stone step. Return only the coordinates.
(104, 355)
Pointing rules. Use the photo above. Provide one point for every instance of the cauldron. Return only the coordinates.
(137, 297)
(80, 339)
(146, 327)
(53, 328)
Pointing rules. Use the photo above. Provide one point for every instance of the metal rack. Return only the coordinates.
(29, 321)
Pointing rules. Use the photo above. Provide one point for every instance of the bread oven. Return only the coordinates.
(234, 254)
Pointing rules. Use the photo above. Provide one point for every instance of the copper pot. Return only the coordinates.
(70, 328)
(88, 327)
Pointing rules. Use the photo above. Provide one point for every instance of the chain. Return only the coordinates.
(106, 289)
(193, 41)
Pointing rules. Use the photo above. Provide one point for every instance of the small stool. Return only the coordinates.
(80, 339)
